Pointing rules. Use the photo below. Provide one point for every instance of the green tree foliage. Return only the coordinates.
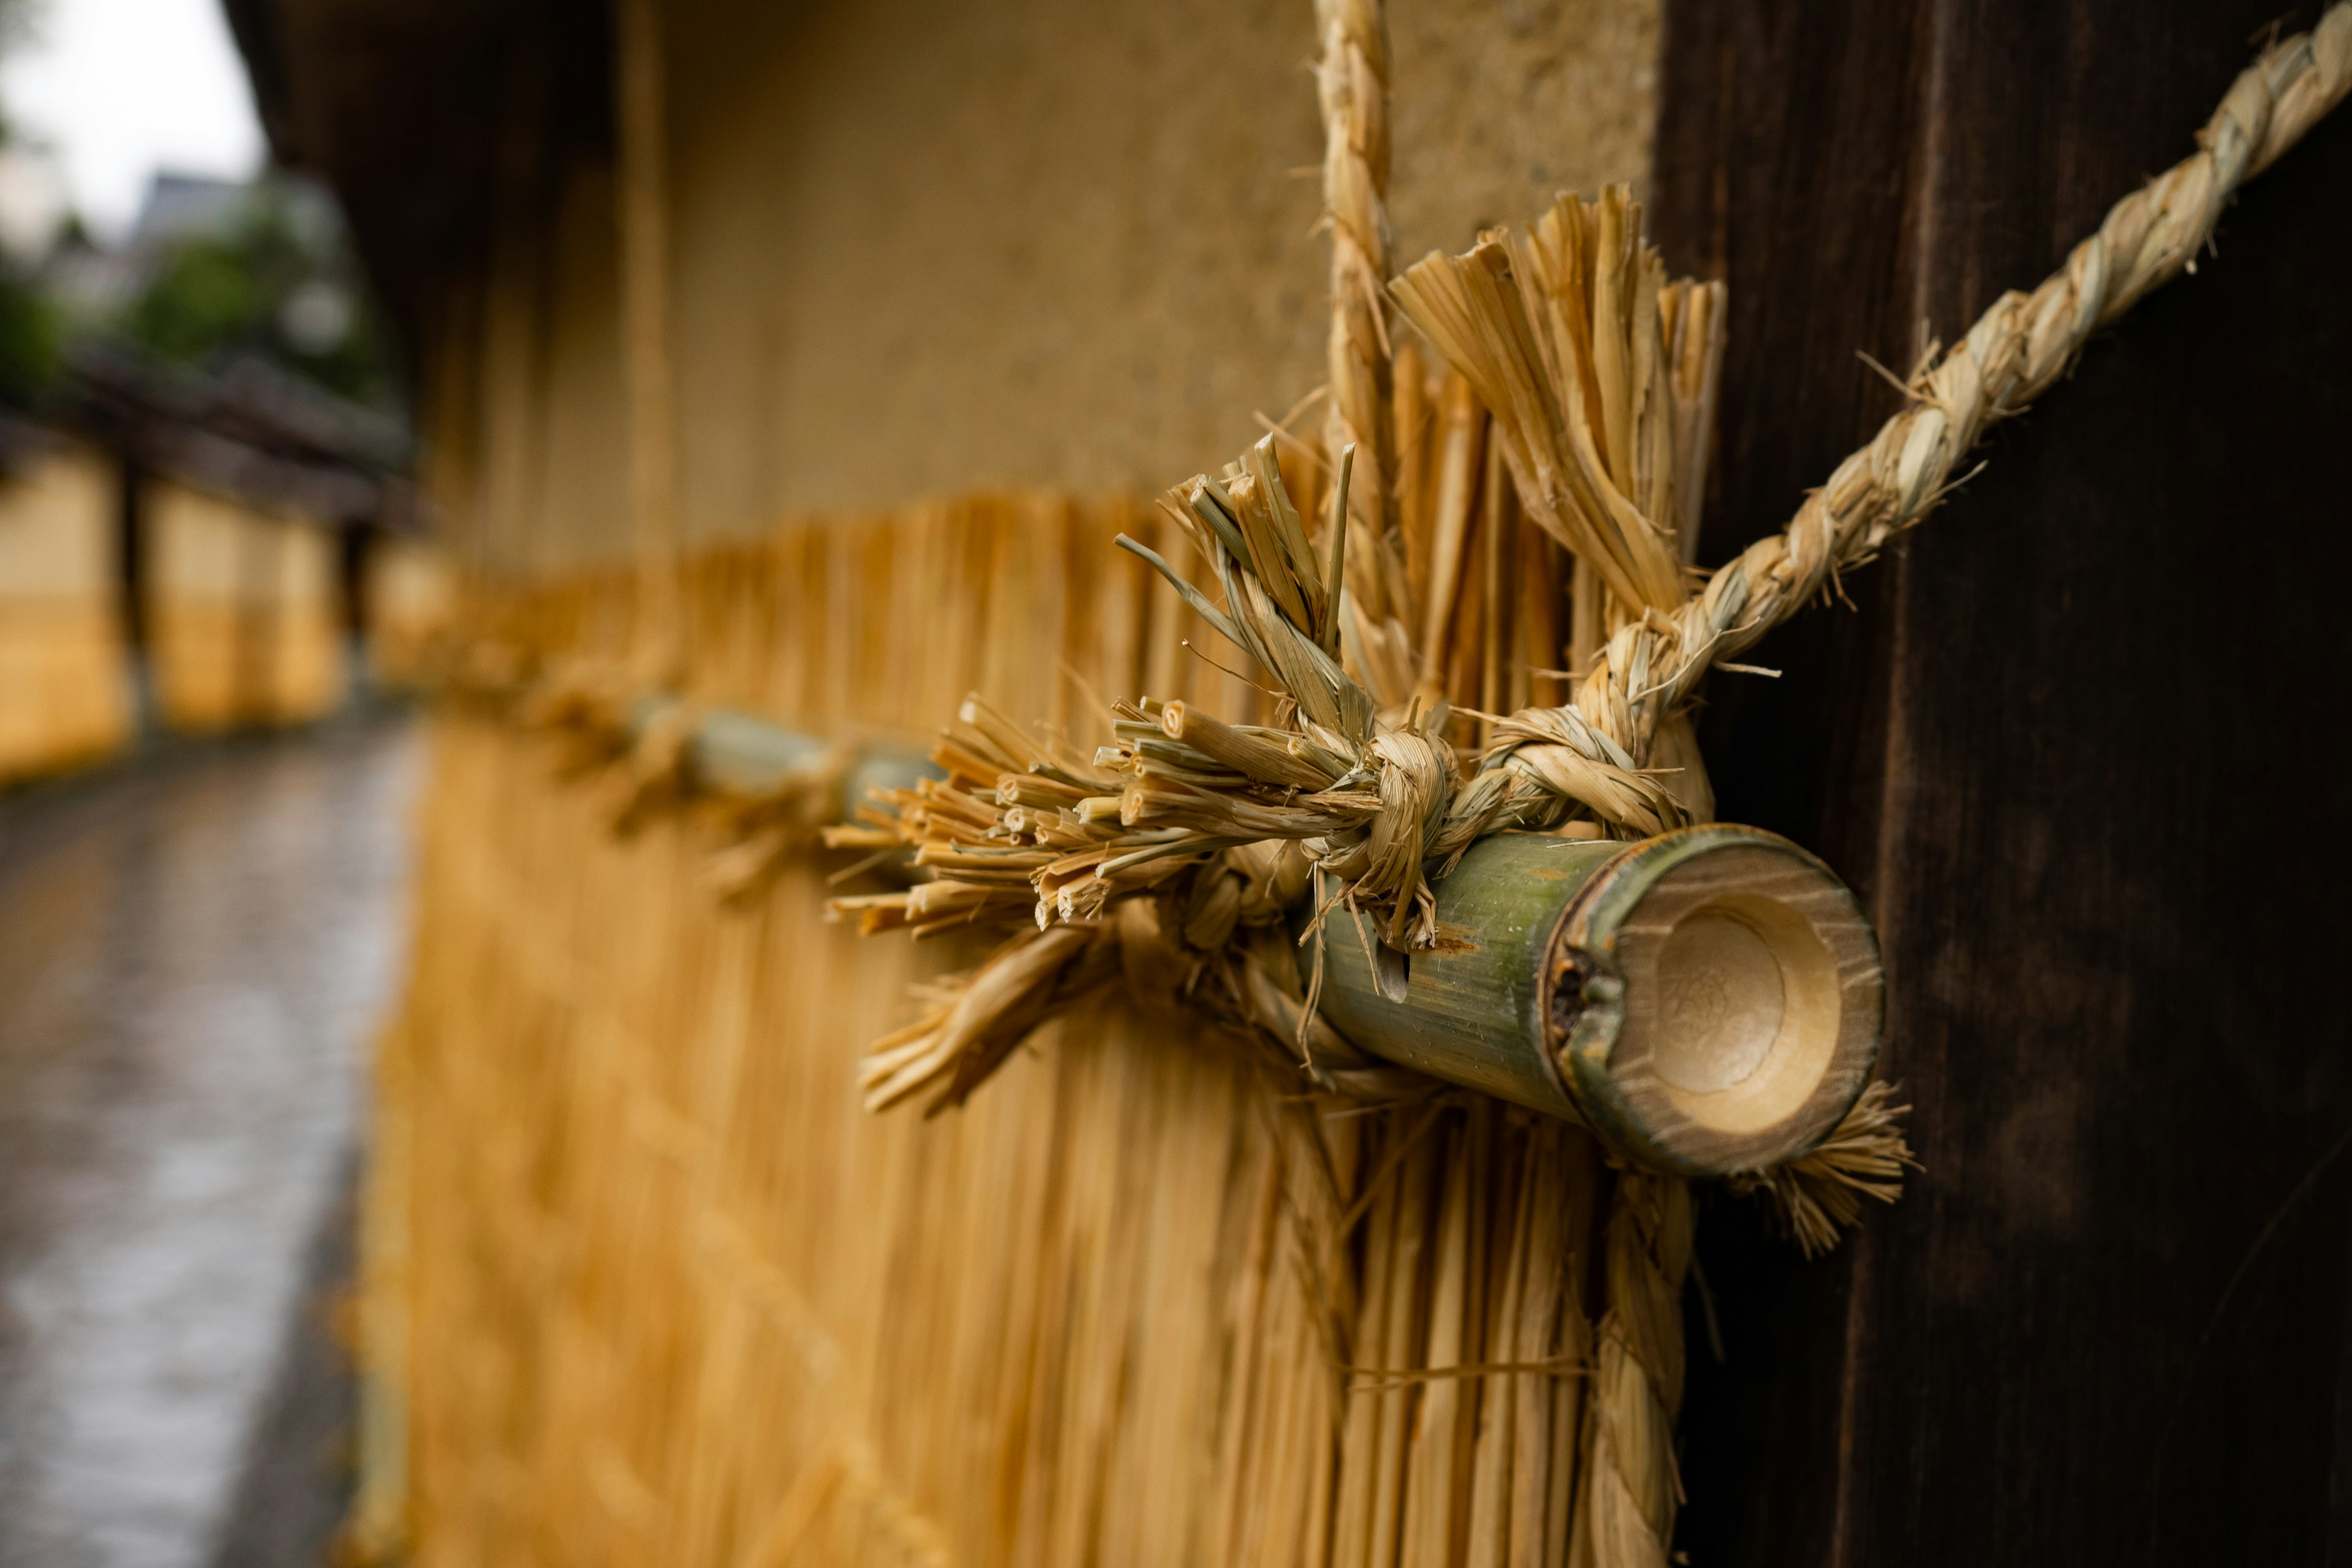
(272, 285)
(30, 331)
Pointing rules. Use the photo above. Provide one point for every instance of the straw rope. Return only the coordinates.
(1629, 1487)
(1353, 87)
(2017, 349)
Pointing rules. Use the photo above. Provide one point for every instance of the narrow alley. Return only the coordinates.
(194, 950)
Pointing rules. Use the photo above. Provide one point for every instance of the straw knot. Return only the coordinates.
(1416, 778)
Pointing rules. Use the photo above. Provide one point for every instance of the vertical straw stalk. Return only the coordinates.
(1351, 83)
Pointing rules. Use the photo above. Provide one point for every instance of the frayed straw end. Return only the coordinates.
(975, 1021)
(1819, 1195)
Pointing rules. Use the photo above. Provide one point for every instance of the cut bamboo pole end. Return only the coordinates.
(1708, 1001)
(741, 755)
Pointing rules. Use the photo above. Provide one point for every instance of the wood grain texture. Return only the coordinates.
(2107, 1323)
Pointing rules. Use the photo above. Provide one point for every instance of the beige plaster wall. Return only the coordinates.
(923, 247)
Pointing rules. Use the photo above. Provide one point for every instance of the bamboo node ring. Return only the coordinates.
(1729, 1001)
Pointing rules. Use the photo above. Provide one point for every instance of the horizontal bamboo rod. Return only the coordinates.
(1708, 1001)
(739, 753)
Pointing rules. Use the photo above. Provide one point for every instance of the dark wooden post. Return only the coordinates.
(2081, 750)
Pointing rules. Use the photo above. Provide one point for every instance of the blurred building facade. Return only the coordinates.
(238, 455)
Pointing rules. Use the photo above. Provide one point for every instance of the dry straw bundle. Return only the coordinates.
(1165, 1291)
(669, 1296)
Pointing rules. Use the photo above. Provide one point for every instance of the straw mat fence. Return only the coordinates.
(682, 1301)
(64, 684)
(244, 620)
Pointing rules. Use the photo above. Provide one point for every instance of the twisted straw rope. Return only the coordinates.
(1630, 1489)
(1351, 79)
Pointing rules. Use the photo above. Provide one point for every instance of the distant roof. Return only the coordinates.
(252, 431)
(186, 207)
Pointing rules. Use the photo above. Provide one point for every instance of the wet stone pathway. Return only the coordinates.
(193, 953)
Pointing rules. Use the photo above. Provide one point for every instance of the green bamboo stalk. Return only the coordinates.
(1708, 1001)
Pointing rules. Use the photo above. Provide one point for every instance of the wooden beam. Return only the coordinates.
(741, 754)
(2108, 1321)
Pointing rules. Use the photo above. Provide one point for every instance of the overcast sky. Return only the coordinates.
(123, 87)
